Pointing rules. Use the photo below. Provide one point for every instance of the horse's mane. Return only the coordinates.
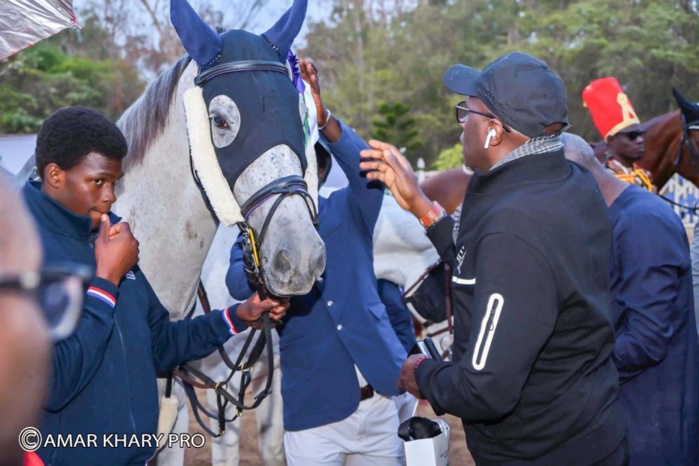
(143, 121)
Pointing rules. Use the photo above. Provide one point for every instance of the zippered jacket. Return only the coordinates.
(104, 375)
(532, 378)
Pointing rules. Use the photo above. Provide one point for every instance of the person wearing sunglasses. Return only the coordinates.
(617, 122)
(104, 373)
(532, 376)
(25, 340)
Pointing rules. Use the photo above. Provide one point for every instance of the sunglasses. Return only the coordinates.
(59, 290)
(462, 112)
(633, 135)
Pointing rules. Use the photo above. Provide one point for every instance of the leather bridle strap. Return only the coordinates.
(284, 187)
(241, 66)
(687, 141)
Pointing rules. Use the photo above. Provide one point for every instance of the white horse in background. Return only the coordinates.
(181, 137)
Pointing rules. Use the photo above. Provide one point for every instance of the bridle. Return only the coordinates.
(280, 188)
(687, 142)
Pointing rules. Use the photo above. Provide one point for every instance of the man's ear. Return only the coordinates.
(54, 176)
(609, 139)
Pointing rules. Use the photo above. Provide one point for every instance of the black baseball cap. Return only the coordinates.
(519, 89)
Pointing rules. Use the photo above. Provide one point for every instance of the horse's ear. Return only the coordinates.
(199, 40)
(689, 110)
(285, 30)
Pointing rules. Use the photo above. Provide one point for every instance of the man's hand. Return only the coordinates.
(385, 163)
(407, 381)
(253, 308)
(116, 250)
(309, 73)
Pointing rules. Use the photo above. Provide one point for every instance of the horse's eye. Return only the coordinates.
(219, 121)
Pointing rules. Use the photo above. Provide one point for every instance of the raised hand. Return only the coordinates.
(331, 128)
(309, 73)
(385, 163)
(116, 250)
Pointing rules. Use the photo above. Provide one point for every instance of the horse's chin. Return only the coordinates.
(286, 290)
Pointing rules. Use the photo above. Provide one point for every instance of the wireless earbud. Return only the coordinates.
(491, 135)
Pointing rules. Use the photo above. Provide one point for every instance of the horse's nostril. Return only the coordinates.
(281, 263)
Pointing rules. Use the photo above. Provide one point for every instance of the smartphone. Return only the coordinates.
(428, 348)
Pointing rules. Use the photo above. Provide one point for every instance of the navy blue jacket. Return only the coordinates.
(656, 349)
(104, 375)
(342, 321)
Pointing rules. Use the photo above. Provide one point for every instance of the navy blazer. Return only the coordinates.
(341, 322)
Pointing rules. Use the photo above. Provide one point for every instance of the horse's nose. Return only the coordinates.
(316, 261)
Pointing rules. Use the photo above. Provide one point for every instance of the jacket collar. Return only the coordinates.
(549, 167)
(53, 216)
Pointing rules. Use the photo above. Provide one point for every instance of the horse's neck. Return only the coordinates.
(402, 251)
(167, 213)
(661, 145)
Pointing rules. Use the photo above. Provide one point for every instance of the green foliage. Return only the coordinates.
(37, 81)
(449, 158)
(368, 56)
(396, 125)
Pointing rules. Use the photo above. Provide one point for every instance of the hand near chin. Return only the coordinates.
(116, 250)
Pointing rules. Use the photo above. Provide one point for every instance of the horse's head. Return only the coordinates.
(250, 141)
(690, 121)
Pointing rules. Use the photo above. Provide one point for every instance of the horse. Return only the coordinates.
(222, 137)
(671, 144)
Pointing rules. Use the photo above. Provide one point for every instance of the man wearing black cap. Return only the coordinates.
(532, 377)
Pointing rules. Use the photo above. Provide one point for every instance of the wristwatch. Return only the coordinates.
(434, 215)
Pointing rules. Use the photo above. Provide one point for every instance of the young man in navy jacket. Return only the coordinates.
(104, 375)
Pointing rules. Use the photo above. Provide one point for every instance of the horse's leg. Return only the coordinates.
(269, 415)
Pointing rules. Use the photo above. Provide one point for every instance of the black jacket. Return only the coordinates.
(532, 377)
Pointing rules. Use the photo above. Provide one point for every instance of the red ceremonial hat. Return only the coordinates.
(609, 106)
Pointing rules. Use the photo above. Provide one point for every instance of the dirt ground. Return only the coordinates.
(458, 453)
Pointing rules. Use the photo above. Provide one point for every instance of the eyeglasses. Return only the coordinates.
(462, 112)
(633, 135)
(59, 290)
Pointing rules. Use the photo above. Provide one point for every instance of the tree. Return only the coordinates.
(450, 158)
(368, 54)
(396, 125)
(43, 78)
(140, 31)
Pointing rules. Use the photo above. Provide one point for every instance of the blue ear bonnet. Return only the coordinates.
(237, 62)
(268, 117)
